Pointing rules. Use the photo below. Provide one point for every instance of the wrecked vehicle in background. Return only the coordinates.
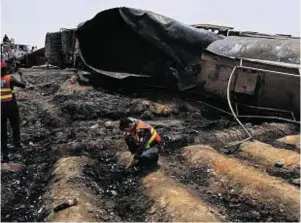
(60, 48)
(36, 58)
(259, 71)
(141, 43)
(125, 42)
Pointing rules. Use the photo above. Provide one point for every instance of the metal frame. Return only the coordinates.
(252, 116)
(269, 109)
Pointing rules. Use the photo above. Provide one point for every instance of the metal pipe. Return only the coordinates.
(229, 101)
(236, 107)
(270, 109)
(269, 71)
(231, 144)
(293, 116)
(216, 108)
(264, 108)
(269, 117)
(233, 113)
(251, 116)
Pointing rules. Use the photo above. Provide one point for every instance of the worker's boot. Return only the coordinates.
(4, 159)
(18, 145)
(16, 154)
(4, 154)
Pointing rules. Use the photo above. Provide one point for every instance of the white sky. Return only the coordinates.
(27, 21)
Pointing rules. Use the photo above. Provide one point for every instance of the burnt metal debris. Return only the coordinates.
(35, 58)
(230, 31)
(123, 43)
(135, 41)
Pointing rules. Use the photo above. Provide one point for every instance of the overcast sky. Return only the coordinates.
(27, 21)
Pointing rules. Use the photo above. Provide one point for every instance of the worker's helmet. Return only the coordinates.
(125, 122)
(3, 64)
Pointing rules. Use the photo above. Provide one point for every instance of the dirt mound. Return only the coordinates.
(291, 142)
(271, 158)
(178, 201)
(66, 184)
(272, 195)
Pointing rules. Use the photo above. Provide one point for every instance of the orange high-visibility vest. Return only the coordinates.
(142, 125)
(6, 90)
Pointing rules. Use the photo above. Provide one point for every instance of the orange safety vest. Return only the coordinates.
(142, 125)
(7, 93)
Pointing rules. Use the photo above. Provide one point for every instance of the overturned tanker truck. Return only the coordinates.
(259, 74)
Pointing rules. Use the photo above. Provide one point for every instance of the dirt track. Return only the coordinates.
(71, 140)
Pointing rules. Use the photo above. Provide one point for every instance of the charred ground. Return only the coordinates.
(63, 119)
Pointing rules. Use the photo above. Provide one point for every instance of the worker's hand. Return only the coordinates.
(136, 156)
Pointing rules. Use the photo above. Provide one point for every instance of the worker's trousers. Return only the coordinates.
(149, 157)
(10, 113)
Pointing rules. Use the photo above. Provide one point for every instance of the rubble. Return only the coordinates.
(279, 164)
(45, 66)
(108, 124)
(66, 204)
(94, 126)
(114, 193)
(296, 182)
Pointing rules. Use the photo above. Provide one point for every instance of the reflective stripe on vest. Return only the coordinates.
(155, 136)
(6, 91)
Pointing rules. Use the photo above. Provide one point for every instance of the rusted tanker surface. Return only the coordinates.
(254, 82)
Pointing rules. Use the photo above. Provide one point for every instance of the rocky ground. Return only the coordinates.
(74, 149)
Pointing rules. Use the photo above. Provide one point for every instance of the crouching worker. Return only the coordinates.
(143, 142)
